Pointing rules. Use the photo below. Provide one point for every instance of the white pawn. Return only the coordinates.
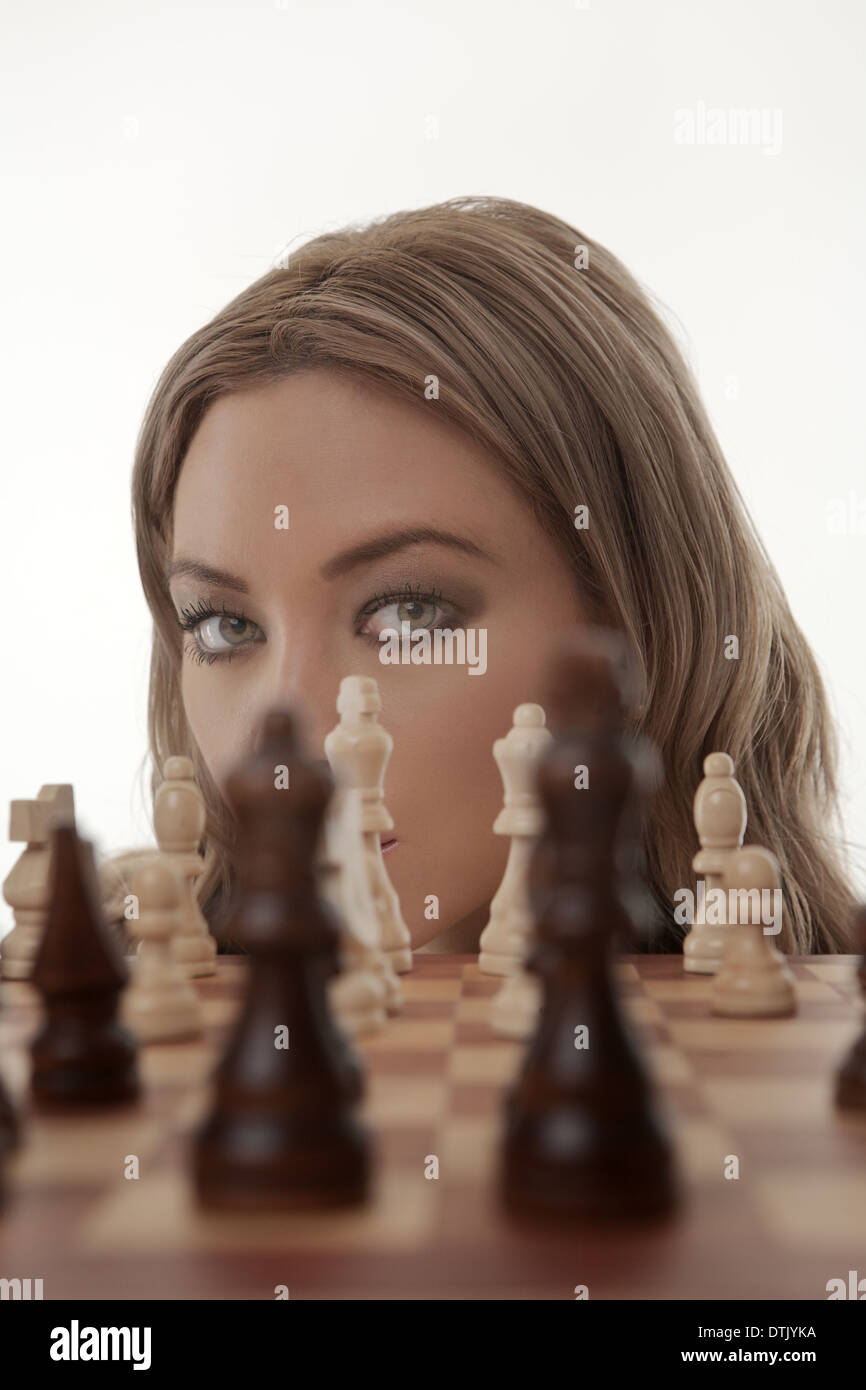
(27, 887)
(505, 939)
(159, 1004)
(358, 750)
(754, 980)
(720, 820)
(179, 821)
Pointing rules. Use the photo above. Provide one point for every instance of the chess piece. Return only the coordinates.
(720, 820)
(851, 1078)
(582, 1135)
(160, 1004)
(9, 1127)
(514, 1010)
(282, 1132)
(358, 905)
(753, 980)
(9, 1130)
(358, 750)
(515, 1007)
(9, 1136)
(860, 938)
(115, 874)
(358, 994)
(27, 886)
(505, 939)
(179, 821)
(82, 1054)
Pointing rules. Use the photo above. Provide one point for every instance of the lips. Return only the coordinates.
(388, 845)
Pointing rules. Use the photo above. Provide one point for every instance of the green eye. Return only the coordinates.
(216, 635)
(233, 630)
(415, 611)
(422, 611)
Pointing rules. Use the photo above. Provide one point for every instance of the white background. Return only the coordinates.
(156, 159)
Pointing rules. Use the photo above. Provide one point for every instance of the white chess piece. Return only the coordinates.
(514, 1010)
(753, 980)
(159, 1004)
(358, 750)
(179, 821)
(358, 994)
(505, 939)
(360, 908)
(27, 887)
(720, 820)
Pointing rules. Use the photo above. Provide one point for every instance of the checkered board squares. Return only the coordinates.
(757, 1090)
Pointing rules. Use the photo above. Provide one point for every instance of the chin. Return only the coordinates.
(456, 935)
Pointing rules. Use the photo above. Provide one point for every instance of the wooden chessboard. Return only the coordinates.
(760, 1090)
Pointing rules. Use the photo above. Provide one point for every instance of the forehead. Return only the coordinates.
(342, 455)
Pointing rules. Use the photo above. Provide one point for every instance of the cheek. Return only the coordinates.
(217, 727)
(443, 790)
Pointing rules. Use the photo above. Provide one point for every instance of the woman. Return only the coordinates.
(468, 416)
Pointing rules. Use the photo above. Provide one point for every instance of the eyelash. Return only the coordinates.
(189, 619)
(408, 593)
(194, 614)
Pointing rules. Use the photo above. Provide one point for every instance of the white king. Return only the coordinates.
(505, 938)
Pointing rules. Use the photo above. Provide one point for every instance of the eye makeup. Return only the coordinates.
(218, 630)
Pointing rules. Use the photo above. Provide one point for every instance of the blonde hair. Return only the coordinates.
(569, 377)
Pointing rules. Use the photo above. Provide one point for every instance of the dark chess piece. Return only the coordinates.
(82, 1055)
(582, 1135)
(9, 1125)
(282, 1132)
(860, 938)
(8, 1122)
(851, 1078)
(8, 1135)
(9, 1130)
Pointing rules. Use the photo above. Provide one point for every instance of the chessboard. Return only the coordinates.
(759, 1091)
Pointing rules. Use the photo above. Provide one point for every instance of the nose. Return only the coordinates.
(295, 676)
(311, 724)
(313, 709)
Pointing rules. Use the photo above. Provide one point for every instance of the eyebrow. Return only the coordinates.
(375, 549)
(208, 574)
(392, 541)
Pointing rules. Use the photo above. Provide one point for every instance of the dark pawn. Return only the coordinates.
(8, 1123)
(582, 1135)
(9, 1127)
(82, 1055)
(860, 938)
(8, 1134)
(851, 1080)
(282, 1130)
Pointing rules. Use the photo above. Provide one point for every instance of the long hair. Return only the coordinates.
(548, 353)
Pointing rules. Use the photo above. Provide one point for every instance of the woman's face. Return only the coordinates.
(394, 517)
